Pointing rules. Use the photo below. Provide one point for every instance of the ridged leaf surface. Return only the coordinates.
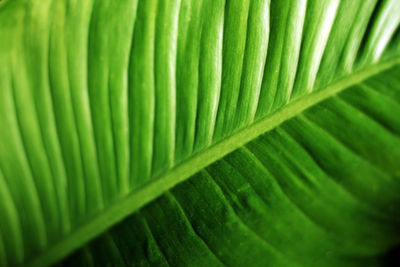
(199, 132)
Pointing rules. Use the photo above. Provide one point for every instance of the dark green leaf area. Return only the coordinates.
(322, 189)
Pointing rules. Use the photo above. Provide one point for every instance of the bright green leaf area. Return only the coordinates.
(199, 132)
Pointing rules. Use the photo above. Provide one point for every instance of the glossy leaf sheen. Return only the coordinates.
(197, 133)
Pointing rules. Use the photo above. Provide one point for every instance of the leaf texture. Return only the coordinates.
(106, 105)
(315, 191)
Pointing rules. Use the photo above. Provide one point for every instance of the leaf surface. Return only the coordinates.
(263, 132)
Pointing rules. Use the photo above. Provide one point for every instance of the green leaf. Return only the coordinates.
(199, 133)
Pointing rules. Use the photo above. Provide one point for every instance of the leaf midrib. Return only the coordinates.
(121, 208)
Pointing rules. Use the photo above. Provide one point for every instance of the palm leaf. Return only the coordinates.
(199, 132)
